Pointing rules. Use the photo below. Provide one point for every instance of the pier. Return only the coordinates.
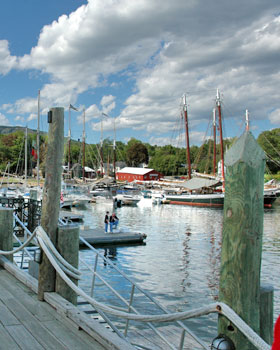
(97, 236)
(66, 281)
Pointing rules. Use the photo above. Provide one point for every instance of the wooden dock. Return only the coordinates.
(27, 323)
(148, 340)
(97, 236)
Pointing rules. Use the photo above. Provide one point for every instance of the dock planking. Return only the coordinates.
(147, 338)
(97, 236)
(26, 323)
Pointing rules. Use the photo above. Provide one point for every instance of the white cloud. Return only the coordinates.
(7, 62)
(166, 48)
(274, 117)
(19, 118)
(3, 120)
(32, 116)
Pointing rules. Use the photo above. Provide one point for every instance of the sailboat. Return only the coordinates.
(202, 192)
(196, 191)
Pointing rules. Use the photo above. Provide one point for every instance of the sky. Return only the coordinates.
(134, 60)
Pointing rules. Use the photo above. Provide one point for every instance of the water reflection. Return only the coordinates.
(110, 253)
(180, 262)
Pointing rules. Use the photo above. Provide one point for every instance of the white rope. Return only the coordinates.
(254, 338)
(42, 233)
(222, 308)
(4, 252)
(62, 268)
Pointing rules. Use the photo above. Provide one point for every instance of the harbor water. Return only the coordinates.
(179, 264)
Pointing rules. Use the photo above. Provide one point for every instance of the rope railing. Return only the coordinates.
(63, 268)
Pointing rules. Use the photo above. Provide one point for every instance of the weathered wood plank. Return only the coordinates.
(6, 341)
(21, 304)
(7, 318)
(23, 338)
(33, 306)
(26, 279)
(108, 339)
(148, 338)
(79, 338)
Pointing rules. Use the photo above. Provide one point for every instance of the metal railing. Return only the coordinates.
(129, 309)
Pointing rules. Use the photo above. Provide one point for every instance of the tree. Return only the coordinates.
(136, 154)
(270, 143)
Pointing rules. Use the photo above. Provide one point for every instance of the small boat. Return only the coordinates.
(127, 199)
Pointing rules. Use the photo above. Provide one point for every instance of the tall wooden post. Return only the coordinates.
(6, 230)
(51, 196)
(68, 247)
(242, 237)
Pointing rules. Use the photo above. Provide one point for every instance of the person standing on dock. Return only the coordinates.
(106, 221)
(113, 222)
(116, 221)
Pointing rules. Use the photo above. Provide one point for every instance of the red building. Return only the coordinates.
(141, 174)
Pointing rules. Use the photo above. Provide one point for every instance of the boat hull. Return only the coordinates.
(213, 201)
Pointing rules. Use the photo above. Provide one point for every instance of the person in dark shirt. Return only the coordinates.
(113, 222)
(106, 221)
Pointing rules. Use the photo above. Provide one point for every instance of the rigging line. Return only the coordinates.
(199, 153)
(238, 126)
(271, 159)
(271, 145)
(90, 156)
(19, 157)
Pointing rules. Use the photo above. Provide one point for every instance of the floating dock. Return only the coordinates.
(97, 236)
(68, 215)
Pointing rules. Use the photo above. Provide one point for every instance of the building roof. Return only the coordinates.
(135, 171)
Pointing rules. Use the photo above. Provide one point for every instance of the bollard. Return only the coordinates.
(266, 313)
(242, 237)
(6, 230)
(51, 196)
(68, 247)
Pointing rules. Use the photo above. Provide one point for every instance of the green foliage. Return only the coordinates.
(270, 143)
(168, 160)
(136, 153)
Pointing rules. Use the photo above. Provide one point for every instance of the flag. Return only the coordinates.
(34, 150)
(72, 107)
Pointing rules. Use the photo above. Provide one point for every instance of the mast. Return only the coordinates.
(247, 120)
(218, 104)
(69, 138)
(188, 158)
(101, 148)
(214, 141)
(114, 150)
(38, 142)
(84, 143)
(25, 158)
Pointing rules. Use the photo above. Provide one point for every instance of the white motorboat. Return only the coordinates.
(127, 199)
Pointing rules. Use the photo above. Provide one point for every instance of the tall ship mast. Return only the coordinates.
(188, 157)
(218, 104)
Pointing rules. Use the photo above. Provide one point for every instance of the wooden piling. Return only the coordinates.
(242, 237)
(6, 230)
(32, 208)
(266, 313)
(51, 195)
(68, 247)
